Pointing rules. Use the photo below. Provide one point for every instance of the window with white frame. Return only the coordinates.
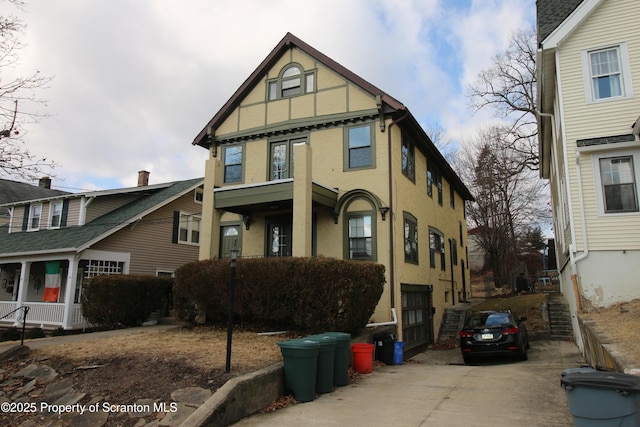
(198, 195)
(35, 213)
(96, 267)
(189, 231)
(616, 180)
(55, 214)
(360, 237)
(607, 74)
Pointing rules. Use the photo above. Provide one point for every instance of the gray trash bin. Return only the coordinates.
(602, 398)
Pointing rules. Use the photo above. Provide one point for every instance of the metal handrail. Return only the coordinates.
(24, 319)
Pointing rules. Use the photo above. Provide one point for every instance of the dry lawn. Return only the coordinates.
(143, 365)
(620, 323)
(203, 347)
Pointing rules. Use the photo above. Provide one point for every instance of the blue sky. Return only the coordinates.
(136, 80)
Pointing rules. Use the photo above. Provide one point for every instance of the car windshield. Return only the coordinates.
(479, 320)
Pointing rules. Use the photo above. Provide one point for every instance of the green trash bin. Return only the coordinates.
(300, 364)
(326, 354)
(341, 358)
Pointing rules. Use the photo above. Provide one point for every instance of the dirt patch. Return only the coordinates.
(620, 323)
(528, 305)
(146, 365)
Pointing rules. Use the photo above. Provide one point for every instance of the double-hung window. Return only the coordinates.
(607, 74)
(408, 159)
(55, 214)
(189, 231)
(35, 213)
(436, 248)
(410, 238)
(617, 184)
(233, 164)
(359, 148)
(360, 237)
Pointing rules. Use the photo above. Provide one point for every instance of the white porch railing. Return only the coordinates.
(43, 313)
(7, 307)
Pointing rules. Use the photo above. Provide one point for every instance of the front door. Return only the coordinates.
(279, 239)
(230, 239)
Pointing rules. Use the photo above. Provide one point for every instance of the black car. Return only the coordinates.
(493, 333)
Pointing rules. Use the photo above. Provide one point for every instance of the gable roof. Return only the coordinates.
(551, 13)
(389, 104)
(255, 78)
(78, 238)
(13, 191)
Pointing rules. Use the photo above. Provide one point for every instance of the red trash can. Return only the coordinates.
(362, 357)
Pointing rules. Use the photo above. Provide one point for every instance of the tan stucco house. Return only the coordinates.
(588, 70)
(308, 159)
(52, 243)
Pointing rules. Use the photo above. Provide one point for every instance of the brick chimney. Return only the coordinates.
(143, 178)
(45, 182)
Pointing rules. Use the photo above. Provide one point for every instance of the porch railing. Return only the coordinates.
(25, 310)
(42, 313)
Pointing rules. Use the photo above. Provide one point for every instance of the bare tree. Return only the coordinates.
(508, 87)
(507, 196)
(444, 144)
(17, 94)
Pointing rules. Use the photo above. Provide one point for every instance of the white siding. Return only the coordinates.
(599, 119)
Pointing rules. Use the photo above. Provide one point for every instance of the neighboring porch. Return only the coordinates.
(51, 288)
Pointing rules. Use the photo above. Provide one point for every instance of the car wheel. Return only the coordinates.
(468, 360)
(523, 354)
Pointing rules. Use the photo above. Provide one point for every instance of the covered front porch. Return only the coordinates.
(50, 286)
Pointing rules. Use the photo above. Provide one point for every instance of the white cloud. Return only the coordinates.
(135, 81)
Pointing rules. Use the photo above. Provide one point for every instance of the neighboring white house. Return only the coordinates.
(588, 68)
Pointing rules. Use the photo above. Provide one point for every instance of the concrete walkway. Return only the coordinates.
(435, 388)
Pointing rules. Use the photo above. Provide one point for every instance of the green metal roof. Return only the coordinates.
(76, 238)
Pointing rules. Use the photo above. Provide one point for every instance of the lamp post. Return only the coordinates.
(232, 285)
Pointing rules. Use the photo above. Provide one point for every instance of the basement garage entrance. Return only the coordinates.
(417, 316)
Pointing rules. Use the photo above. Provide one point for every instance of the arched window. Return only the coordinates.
(292, 81)
(360, 230)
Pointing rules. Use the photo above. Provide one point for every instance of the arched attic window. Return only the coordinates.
(292, 81)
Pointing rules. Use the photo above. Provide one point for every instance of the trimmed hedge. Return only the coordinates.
(304, 294)
(122, 300)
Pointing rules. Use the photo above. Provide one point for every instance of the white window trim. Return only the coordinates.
(195, 195)
(50, 220)
(625, 73)
(189, 230)
(31, 210)
(598, 181)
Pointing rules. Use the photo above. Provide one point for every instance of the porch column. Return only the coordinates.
(302, 200)
(25, 270)
(70, 292)
(210, 224)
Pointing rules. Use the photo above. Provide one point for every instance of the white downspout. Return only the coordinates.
(393, 322)
(585, 250)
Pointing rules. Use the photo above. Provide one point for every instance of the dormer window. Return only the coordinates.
(293, 81)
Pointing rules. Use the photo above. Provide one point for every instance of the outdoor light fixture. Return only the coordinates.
(232, 284)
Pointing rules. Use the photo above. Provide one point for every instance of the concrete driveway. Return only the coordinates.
(435, 388)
